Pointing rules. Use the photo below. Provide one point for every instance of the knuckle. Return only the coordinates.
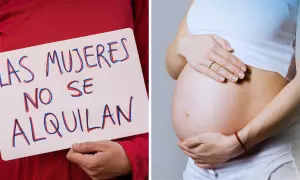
(229, 56)
(227, 63)
(86, 146)
(238, 62)
(209, 54)
(90, 164)
(68, 156)
(234, 60)
(79, 146)
(214, 47)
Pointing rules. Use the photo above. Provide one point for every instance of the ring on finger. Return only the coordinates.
(212, 63)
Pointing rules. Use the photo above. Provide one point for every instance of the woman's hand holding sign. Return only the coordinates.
(101, 160)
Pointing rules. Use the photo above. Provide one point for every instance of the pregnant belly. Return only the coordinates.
(201, 104)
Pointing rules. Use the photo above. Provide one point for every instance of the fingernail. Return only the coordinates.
(241, 75)
(234, 78)
(244, 68)
(222, 79)
(185, 143)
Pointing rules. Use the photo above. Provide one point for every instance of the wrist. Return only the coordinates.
(244, 137)
(235, 147)
(125, 167)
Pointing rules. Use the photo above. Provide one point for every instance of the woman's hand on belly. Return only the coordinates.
(211, 149)
(211, 56)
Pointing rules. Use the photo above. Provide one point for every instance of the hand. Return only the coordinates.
(211, 56)
(211, 149)
(100, 160)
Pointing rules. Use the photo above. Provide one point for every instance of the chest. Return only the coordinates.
(267, 19)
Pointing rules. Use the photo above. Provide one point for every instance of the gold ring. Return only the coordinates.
(211, 65)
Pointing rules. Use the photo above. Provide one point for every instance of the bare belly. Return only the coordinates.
(201, 104)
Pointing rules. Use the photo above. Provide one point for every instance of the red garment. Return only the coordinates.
(27, 23)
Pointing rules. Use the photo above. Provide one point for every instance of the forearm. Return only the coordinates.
(279, 113)
(136, 148)
(275, 116)
(174, 62)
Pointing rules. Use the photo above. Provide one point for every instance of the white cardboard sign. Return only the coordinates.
(84, 89)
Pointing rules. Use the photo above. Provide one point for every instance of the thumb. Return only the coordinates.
(87, 147)
(192, 142)
(225, 44)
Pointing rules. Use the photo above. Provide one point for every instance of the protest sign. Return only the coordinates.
(84, 89)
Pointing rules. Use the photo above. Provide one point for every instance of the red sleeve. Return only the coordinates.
(141, 26)
(136, 147)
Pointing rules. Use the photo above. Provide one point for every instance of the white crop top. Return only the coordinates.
(261, 32)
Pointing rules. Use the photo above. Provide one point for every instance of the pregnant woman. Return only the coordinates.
(235, 103)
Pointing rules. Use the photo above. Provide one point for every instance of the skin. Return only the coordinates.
(100, 160)
(214, 49)
(209, 149)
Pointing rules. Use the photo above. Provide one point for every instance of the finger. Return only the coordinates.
(224, 72)
(240, 66)
(238, 63)
(205, 166)
(199, 150)
(208, 72)
(199, 161)
(227, 65)
(225, 44)
(191, 152)
(90, 147)
(182, 146)
(86, 160)
(192, 142)
(86, 147)
(193, 156)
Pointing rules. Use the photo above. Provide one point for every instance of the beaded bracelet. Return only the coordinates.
(238, 138)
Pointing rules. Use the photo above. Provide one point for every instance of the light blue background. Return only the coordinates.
(168, 162)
